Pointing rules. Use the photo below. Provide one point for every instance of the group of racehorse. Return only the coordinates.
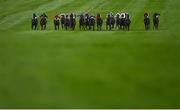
(155, 21)
(119, 21)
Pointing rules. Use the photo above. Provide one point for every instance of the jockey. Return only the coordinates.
(67, 16)
(111, 14)
(71, 15)
(123, 15)
(44, 15)
(156, 15)
(56, 17)
(81, 15)
(74, 16)
(108, 15)
(92, 17)
(127, 15)
(117, 15)
(86, 16)
(146, 15)
(34, 16)
(62, 14)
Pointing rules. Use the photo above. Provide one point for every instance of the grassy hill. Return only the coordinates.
(85, 69)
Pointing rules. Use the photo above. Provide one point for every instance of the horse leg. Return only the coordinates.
(128, 27)
(41, 27)
(157, 26)
(32, 26)
(35, 26)
(54, 26)
(62, 26)
(80, 27)
(45, 27)
(83, 27)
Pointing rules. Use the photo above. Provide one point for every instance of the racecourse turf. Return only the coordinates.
(86, 69)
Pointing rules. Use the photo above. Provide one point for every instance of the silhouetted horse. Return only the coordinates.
(43, 22)
(127, 24)
(34, 23)
(99, 21)
(92, 23)
(72, 21)
(113, 21)
(63, 20)
(146, 21)
(56, 22)
(67, 23)
(87, 21)
(122, 21)
(156, 20)
(108, 22)
(118, 21)
(81, 22)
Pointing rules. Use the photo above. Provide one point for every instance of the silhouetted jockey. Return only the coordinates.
(111, 15)
(146, 15)
(87, 16)
(117, 15)
(67, 17)
(123, 15)
(72, 15)
(44, 15)
(127, 15)
(156, 15)
(92, 17)
(34, 16)
(56, 17)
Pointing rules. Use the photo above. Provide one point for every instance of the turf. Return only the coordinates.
(85, 69)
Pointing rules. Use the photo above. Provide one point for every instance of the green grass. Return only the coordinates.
(85, 69)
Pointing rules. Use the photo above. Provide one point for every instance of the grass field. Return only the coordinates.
(85, 69)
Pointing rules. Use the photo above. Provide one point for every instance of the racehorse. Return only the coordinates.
(118, 21)
(146, 21)
(72, 21)
(99, 21)
(108, 22)
(156, 21)
(113, 21)
(92, 23)
(63, 19)
(81, 22)
(43, 22)
(122, 20)
(127, 22)
(56, 22)
(67, 23)
(87, 21)
(34, 23)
